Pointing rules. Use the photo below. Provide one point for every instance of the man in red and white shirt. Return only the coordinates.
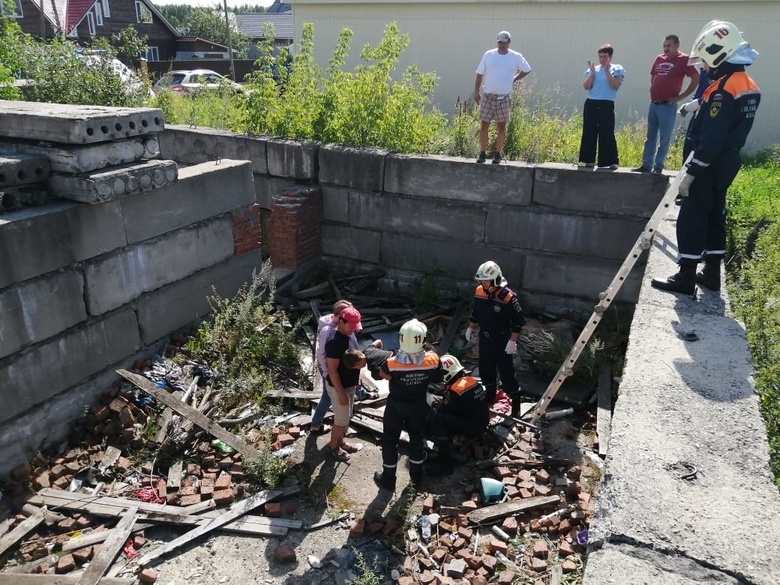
(496, 74)
(667, 74)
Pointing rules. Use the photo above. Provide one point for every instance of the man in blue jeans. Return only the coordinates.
(667, 74)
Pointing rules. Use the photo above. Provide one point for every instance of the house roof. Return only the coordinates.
(55, 12)
(77, 9)
(251, 24)
(193, 39)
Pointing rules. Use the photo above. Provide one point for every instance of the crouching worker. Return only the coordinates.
(409, 372)
(462, 410)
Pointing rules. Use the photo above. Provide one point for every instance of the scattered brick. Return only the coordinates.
(456, 568)
(273, 509)
(284, 554)
(223, 496)
(459, 544)
(290, 508)
(65, 564)
(509, 525)
(489, 563)
(428, 504)
(466, 533)
(540, 549)
(223, 481)
(439, 555)
(82, 555)
(294, 432)
(505, 578)
(565, 549)
(568, 566)
(542, 490)
(427, 577)
(147, 576)
(139, 540)
(537, 564)
(542, 475)
(497, 545)
(189, 500)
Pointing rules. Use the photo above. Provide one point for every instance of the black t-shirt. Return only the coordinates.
(335, 348)
(375, 359)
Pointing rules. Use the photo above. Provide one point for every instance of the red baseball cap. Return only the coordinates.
(352, 316)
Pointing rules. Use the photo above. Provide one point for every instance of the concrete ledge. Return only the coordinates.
(39, 240)
(179, 304)
(697, 407)
(23, 169)
(293, 159)
(117, 279)
(432, 217)
(46, 369)
(198, 145)
(335, 203)
(356, 168)
(608, 237)
(618, 192)
(199, 194)
(445, 177)
(38, 309)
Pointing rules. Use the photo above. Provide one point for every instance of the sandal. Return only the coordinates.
(350, 448)
(338, 454)
(321, 430)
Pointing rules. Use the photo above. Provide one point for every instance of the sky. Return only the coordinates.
(212, 3)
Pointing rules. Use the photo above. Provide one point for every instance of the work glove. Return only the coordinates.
(689, 108)
(511, 347)
(470, 333)
(685, 185)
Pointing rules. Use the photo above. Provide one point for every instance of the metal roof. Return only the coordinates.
(251, 24)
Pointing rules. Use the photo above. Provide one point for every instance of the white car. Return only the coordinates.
(192, 81)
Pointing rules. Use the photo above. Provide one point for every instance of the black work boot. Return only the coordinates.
(416, 473)
(682, 282)
(385, 480)
(710, 275)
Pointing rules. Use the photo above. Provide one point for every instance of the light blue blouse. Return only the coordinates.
(601, 90)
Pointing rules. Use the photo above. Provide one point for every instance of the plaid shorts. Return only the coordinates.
(494, 108)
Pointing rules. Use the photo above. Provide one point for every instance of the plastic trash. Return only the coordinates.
(222, 447)
(284, 452)
(500, 533)
(582, 538)
(314, 562)
(425, 528)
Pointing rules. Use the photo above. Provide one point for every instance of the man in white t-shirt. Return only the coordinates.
(497, 72)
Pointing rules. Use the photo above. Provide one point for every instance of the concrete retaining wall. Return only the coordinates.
(559, 233)
(85, 289)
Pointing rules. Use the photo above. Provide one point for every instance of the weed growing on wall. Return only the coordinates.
(247, 342)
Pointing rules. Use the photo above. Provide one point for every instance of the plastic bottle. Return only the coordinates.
(425, 528)
(500, 533)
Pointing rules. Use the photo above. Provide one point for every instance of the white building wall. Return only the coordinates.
(556, 38)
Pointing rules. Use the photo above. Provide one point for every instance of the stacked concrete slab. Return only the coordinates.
(128, 252)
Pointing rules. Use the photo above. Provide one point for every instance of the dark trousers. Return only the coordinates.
(598, 129)
(493, 358)
(445, 425)
(701, 225)
(399, 416)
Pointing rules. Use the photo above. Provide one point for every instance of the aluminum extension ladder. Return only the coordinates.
(643, 242)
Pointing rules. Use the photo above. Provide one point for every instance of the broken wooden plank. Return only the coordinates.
(109, 549)
(51, 494)
(489, 513)
(604, 412)
(294, 394)
(317, 290)
(373, 425)
(236, 510)
(327, 522)
(394, 324)
(20, 531)
(175, 473)
(556, 575)
(23, 579)
(334, 288)
(452, 329)
(211, 427)
(248, 519)
(85, 540)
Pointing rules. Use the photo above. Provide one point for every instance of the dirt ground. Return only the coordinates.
(328, 489)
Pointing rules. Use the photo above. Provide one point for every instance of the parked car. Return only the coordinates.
(192, 81)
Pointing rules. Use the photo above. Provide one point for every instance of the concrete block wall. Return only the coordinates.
(88, 288)
(559, 233)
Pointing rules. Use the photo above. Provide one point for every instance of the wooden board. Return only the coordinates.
(604, 412)
(109, 549)
(497, 511)
(52, 494)
(19, 532)
(294, 394)
(197, 417)
(22, 579)
(452, 329)
(238, 509)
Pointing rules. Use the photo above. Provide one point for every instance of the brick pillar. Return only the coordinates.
(296, 226)
(246, 229)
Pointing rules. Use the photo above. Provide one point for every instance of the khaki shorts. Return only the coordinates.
(341, 414)
(494, 108)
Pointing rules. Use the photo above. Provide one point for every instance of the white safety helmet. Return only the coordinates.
(490, 271)
(411, 336)
(716, 42)
(451, 366)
